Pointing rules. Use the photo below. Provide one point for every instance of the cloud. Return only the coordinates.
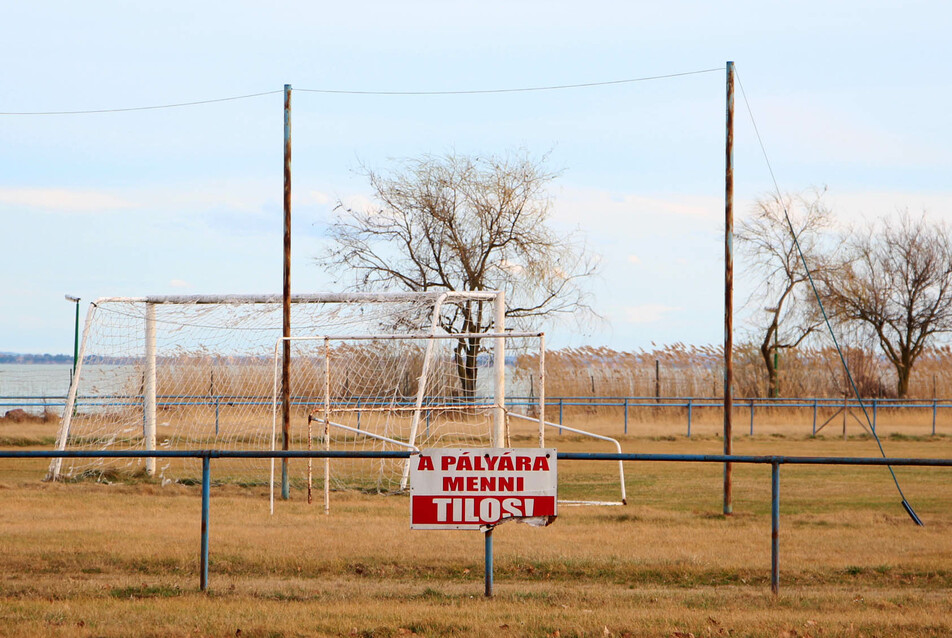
(179, 283)
(64, 200)
(315, 197)
(647, 313)
(856, 206)
(634, 259)
(612, 212)
(817, 125)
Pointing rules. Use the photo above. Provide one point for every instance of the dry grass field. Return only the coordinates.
(121, 559)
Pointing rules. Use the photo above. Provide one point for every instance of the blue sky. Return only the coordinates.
(852, 95)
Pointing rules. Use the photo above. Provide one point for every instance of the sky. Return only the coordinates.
(853, 96)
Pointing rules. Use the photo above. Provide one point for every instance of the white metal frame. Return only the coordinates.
(149, 390)
(499, 436)
(621, 466)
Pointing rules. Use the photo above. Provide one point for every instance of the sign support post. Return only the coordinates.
(489, 562)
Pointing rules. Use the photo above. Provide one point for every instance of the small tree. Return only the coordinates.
(461, 223)
(896, 280)
(783, 310)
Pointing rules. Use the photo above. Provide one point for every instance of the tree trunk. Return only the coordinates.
(767, 353)
(902, 386)
(466, 353)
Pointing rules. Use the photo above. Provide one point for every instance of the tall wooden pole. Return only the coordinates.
(729, 292)
(286, 324)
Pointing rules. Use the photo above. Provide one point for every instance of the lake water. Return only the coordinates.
(41, 380)
(34, 387)
(37, 386)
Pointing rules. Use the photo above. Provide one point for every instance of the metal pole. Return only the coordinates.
(729, 290)
(149, 388)
(935, 406)
(846, 411)
(626, 415)
(206, 482)
(489, 562)
(499, 370)
(542, 390)
(327, 428)
(657, 379)
(690, 406)
(775, 527)
(75, 300)
(814, 416)
(751, 417)
(286, 323)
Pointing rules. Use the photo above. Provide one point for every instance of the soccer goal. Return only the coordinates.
(196, 372)
(407, 392)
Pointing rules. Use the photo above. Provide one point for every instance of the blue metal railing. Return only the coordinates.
(626, 404)
(207, 455)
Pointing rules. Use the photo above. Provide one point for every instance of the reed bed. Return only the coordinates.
(681, 370)
(676, 370)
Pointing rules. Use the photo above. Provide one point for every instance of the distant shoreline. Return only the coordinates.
(10, 357)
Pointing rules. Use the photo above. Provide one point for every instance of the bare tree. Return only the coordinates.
(783, 310)
(461, 223)
(896, 280)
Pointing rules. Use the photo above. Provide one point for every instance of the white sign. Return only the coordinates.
(457, 488)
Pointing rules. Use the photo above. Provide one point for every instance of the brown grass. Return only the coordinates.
(91, 559)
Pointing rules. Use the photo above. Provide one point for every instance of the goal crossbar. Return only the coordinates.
(328, 297)
(154, 338)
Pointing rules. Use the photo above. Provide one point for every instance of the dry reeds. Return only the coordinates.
(681, 370)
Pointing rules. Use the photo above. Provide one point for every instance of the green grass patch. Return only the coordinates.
(146, 591)
(27, 441)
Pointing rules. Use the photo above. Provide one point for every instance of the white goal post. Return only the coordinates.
(194, 371)
(407, 391)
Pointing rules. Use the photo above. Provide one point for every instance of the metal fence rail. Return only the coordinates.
(207, 455)
(624, 404)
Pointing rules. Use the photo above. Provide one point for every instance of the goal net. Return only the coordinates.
(197, 372)
(407, 392)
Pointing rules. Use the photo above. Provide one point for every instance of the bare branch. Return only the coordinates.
(896, 279)
(782, 311)
(457, 222)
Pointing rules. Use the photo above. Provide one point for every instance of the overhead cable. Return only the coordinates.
(905, 503)
(146, 108)
(554, 87)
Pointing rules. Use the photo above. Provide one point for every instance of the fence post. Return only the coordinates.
(560, 413)
(206, 482)
(690, 406)
(875, 403)
(751, 416)
(934, 406)
(814, 416)
(488, 553)
(775, 527)
(626, 415)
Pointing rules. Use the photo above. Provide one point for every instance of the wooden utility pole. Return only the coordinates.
(729, 292)
(286, 323)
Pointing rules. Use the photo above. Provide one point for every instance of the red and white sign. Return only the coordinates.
(457, 488)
